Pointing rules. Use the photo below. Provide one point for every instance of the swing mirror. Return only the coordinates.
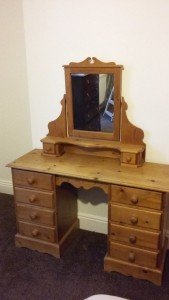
(93, 97)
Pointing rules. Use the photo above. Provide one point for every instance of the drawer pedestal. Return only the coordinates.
(152, 274)
(45, 221)
(55, 249)
(136, 238)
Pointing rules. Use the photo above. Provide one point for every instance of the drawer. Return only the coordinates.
(128, 158)
(32, 179)
(35, 214)
(135, 217)
(134, 236)
(37, 231)
(34, 197)
(134, 255)
(136, 197)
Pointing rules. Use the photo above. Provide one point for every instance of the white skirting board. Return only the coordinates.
(93, 223)
(6, 187)
(87, 221)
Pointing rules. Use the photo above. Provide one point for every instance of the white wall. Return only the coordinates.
(15, 134)
(132, 33)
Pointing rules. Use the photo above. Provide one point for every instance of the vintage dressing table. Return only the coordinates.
(92, 144)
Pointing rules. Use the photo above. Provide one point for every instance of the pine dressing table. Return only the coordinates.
(92, 144)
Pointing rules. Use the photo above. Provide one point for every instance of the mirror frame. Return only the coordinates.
(94, 66)
(125, 143)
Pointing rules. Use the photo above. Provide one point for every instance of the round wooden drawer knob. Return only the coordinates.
(134, 199)
(32, 198)
(131, 257)
(48, 149)
(134, 220)
(33, 216)
(31, 180)
(132, 239)
(128, 159)
(35, 232)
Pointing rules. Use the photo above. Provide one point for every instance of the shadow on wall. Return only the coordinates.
(94, 195)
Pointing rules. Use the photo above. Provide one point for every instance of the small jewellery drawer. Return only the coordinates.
(128, 158)
(134, 236)
(32, 179)
(136, 197)
(135, 217)
(133, 255)
(36, 215)
(37, 231)
(34, 197)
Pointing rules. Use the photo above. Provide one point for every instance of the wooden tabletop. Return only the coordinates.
(150, 176)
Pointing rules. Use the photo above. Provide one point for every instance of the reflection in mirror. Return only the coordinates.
(93, 102)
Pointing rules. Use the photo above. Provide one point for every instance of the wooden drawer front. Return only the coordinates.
(133, 255)
(49, 148)
(37, 231)
(35, 215)
(134, 236)
(33, 179)
(128, 158)
(34, 197)
(136, 197)
(135, 217)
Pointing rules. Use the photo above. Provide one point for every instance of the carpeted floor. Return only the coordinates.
(26, 274)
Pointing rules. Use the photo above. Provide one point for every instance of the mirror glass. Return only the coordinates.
(93, 102)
